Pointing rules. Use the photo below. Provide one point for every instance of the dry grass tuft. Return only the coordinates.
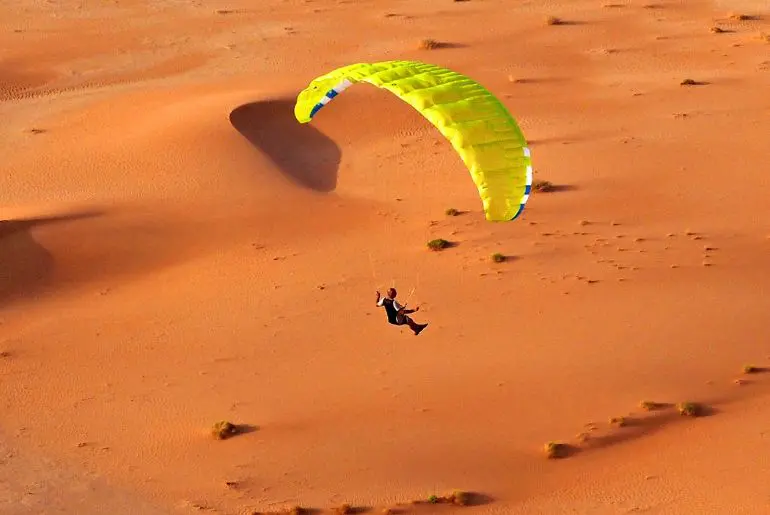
(438, 244)
(651, 405)
(498, 257)
(690, 409)
(458, 497)
(542, 186)
(429, 44)
(557, 450)
(223, 430)
(619, 421)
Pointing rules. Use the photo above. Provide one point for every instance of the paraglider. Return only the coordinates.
(398, 314)
(475, 122)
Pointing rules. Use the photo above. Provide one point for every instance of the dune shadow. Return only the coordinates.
(355, 509)
(304, 155)
(242, 429)
(559, 21)
(478, 499)
(25, 265)
(39, 258)
(635, 426)
(438, 45)
(563, 187)
(539, 80)
(8, 227)
(556, 188)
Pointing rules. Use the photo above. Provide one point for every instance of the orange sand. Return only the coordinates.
(177, 250)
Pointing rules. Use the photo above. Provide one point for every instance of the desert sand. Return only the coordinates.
(177, 250)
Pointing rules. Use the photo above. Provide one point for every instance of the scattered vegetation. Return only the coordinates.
(651, 405)
(619, 421)
(429, 44)
(498, 258)
(556, 450)
(458, 497)
(583, 437)
(689, 82)
(542, 186)
(438, 244)
(518, 80)
(461, 498)
(690, 409)
(223, 430)
(452, 212)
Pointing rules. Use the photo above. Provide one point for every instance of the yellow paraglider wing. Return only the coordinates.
(476, 123)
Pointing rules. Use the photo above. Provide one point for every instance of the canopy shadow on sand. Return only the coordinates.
(302, 153)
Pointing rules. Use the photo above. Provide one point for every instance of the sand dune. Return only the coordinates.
(26, 262)
(176, 250)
